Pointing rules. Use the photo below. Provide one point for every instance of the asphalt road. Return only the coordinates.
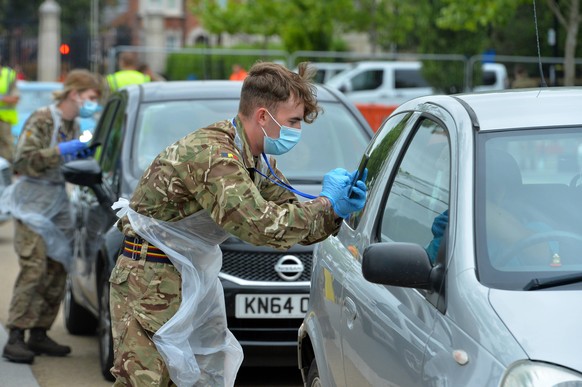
(81, 367)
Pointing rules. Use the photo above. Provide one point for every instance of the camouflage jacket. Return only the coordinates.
(206, 171)
(34, 154)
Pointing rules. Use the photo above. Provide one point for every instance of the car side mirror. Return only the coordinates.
(343, 88)
(87, 173)
(400, 264)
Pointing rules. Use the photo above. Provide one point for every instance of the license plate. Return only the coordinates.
(271, 305)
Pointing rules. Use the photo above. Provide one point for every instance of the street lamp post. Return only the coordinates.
(95, 43)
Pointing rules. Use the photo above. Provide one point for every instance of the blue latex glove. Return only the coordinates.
(354, 201)
(439, 224)
(71, 148)
(335, 184)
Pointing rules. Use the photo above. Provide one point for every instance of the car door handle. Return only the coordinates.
(350, 311)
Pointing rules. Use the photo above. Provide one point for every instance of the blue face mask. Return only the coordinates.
(288, 138)
(88, 109)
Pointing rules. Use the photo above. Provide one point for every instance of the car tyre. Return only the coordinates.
(104, 328)
(78, 320)
(313, 379)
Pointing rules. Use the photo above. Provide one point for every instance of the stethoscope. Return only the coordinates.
(278, 181)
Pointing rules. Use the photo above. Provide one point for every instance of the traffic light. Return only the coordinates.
(64, 49)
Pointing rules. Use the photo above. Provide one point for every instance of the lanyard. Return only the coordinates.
(276, 179)
(280, 182)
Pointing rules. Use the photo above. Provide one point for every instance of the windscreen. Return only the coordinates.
(335, 139)
(160, 124)
(528, 205)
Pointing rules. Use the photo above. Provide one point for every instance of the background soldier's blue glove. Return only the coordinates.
(335, 185)
(71, 148)
(355, 201)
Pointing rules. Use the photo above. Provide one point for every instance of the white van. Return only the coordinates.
(327, 70)
(392, 83)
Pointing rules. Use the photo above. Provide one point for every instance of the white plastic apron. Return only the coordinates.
(196, 345)
(43, 205)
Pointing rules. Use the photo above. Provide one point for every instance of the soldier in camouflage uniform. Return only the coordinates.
(222, 172)
(49, 136)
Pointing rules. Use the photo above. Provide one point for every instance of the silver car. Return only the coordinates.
(465, 266)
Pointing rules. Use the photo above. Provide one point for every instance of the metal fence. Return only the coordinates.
(212, 63)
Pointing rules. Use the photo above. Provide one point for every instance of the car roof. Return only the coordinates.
(207, 89)
(513, 109)
(38, 85)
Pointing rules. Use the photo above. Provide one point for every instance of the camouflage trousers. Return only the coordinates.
(6, 141)
(40, 285)
(144, 295)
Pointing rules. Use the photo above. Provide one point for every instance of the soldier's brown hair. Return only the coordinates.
(269, 84)
(78, 80)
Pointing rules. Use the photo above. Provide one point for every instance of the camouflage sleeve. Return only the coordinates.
(33, 154)
(222, 185)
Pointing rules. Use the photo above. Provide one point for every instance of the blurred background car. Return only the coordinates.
(394, 82)
(34, 95)
(327, 70)
(266, 290)
(464, 267)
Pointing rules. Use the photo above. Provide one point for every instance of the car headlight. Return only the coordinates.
(530, 374)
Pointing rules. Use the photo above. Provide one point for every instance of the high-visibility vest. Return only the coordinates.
(7, 112)
(124, 78)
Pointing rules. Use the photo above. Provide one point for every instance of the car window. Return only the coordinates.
(420, 191)
(528, 196)
(380, 150)
(489, 78)
(335, 139)
(111, 147)
(406, 79)
(368, 80)
(160, 124)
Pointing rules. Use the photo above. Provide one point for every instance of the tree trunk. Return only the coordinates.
(571, 41)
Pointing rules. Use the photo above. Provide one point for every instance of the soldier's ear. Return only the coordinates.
(261, 116)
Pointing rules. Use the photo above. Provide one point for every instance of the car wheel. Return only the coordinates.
(313, 379)
(104, 328)
(78, 320)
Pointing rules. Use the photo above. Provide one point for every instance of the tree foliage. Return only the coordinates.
(300, 24)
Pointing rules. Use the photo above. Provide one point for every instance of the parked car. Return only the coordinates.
(138, 123)
(327, 70)
(394, 82)
(34, 95)
(490, 297)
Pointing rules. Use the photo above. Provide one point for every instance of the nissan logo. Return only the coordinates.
(289, 268)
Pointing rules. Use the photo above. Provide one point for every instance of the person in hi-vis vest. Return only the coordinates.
(8, 116)
(128, 73)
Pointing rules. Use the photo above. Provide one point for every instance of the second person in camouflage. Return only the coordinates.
(218, 172)
(40, 206)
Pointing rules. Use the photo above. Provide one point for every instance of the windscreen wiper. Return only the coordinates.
(545, 283)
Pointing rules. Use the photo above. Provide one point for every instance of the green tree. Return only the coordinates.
(301, 24)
